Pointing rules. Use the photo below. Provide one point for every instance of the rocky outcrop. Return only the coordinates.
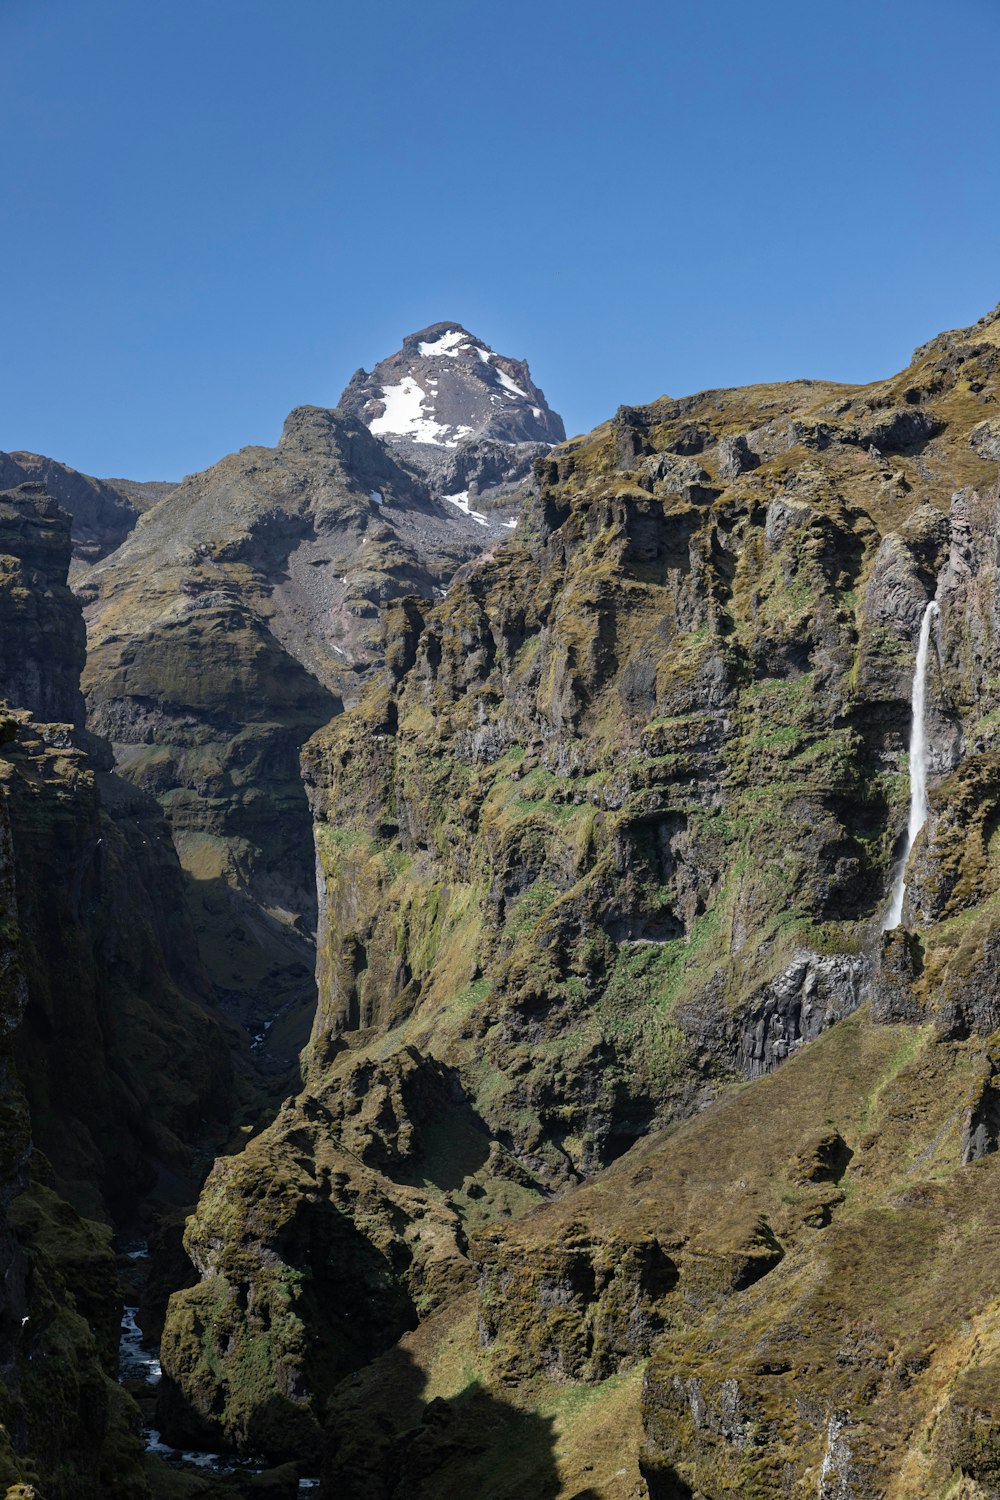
(293, 1293)
(811, 994)
(43, 639)
(985, 440)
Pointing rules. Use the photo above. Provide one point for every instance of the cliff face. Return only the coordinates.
(44, 642)
(121, 1062)
(111, 1070)
(612, 838)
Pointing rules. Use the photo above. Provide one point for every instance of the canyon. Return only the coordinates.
(500, 948)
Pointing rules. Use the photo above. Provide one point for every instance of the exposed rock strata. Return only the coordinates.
(102, 511)
(121, 1062)
(101, 1017)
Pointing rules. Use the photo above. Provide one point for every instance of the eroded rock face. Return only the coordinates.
(272, 1307)
(43, 638)
(109, 1065)
(102, 511)
(120, 1060)
(810, 995)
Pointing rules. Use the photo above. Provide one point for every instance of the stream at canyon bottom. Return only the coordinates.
(138, 1361)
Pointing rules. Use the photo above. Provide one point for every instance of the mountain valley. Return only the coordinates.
(448, 976)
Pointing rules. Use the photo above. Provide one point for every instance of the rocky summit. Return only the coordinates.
(470, 420)
(509, 1010)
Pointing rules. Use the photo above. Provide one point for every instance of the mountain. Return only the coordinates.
(468, 419)
(632, 1156)
(240, 614)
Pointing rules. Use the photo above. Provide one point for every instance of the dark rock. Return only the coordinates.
(985, 440)
(898, 967)
(735, 456)
(103, 511)
(43, 642)
(812, 993)
(905, 430)
(981, 1124)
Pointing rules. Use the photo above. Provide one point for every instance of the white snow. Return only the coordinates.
(404, 413)
(487, 356)
(536, 412)
(511, 524)
(461, 500)
(404, 417)
(510, 385)
(340, 652)
(447, 344)
(376, 495)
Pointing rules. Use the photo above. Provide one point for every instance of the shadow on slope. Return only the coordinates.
(387, 1441)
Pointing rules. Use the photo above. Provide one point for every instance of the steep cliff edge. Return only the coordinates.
(612, 839)
(123, 1066)
(113, 1075)
(102, 511)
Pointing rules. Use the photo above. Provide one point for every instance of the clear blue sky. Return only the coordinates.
(214, 210)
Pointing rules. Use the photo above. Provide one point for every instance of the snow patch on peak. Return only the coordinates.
(488, 356)
(448, 344)
(510, 385)
(404, 416)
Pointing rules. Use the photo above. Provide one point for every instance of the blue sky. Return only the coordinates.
(214, 210)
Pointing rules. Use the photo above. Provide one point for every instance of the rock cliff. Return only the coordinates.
(102, 511)
(114, 1077)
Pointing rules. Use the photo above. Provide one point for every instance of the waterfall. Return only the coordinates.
(918, 764)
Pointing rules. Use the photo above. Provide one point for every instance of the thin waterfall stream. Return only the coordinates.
(918, 763)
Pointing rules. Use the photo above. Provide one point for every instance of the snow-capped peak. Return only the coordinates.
(446, 388)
